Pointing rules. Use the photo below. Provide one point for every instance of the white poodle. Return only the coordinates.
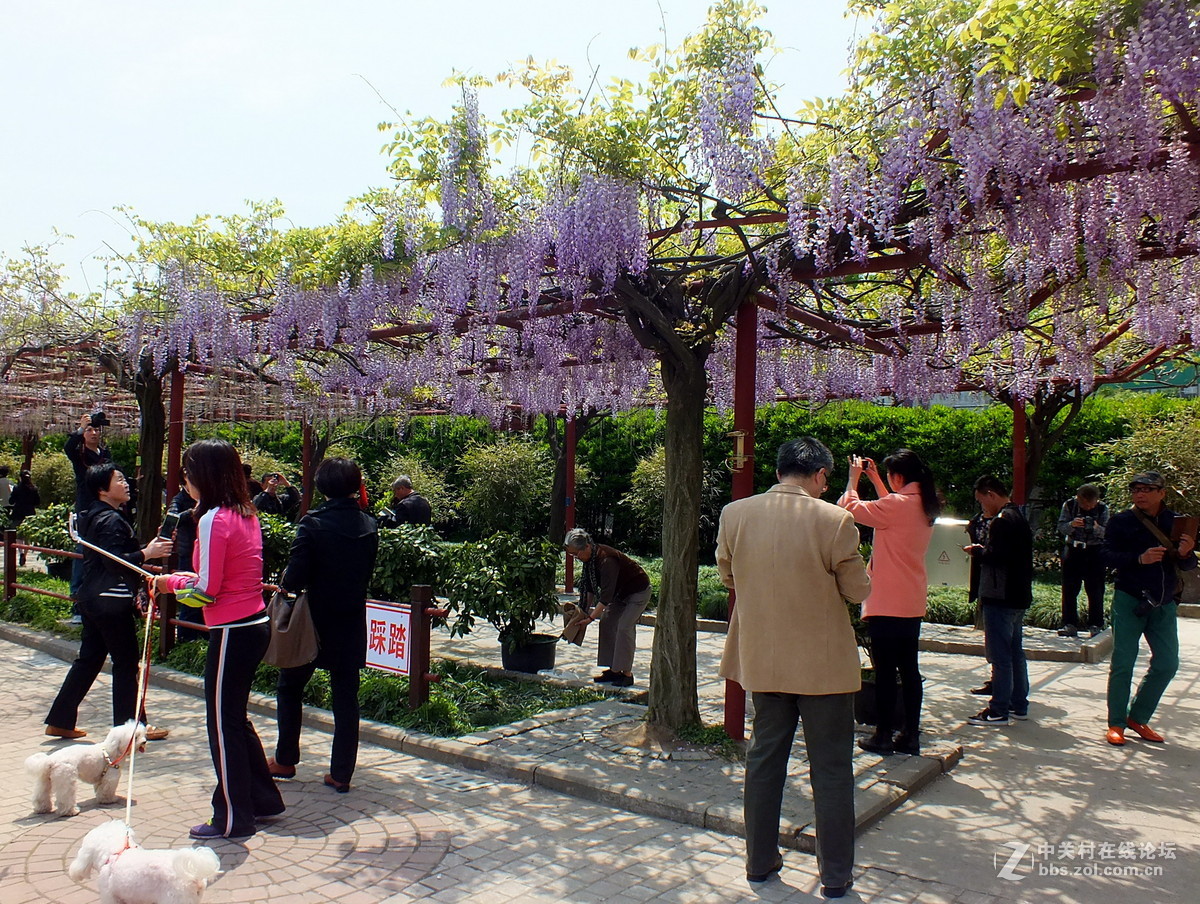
(54, 774)
(129, 874)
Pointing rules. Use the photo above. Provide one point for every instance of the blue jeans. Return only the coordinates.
(1010, 675)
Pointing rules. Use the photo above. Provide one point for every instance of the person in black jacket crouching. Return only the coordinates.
(332, 558)
(108, 607)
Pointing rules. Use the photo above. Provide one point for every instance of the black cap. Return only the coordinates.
(1147, 478)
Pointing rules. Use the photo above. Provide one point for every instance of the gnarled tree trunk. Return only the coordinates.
(673, 700)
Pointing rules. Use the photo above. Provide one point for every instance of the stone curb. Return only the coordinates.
(1094, 649)
(904, 776)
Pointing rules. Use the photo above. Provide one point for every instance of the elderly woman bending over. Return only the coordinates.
(614, 591)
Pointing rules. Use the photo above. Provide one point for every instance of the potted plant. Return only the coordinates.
(48, 528)
(509, 583)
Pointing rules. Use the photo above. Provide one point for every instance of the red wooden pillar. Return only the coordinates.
(744, 382)
(1018, 452)
(28, 444)
(306, 468)
(569, 508)
(174, 434)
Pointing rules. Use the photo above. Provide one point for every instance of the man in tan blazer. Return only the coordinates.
(793, 561)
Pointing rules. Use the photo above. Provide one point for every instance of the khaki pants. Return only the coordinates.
(618, 632)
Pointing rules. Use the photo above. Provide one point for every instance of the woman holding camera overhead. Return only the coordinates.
(273, 502)
(903, 521)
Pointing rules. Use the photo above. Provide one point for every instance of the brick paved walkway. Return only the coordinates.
(409, 830)
(412, 830)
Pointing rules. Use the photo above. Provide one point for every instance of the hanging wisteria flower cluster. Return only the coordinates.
(1065, 201)
(1042, 227)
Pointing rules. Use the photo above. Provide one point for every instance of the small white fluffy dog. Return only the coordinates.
(129, 874)
(55, 774)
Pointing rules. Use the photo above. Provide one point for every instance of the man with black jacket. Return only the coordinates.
(1005, 558)
(83, 450)
(107, 603)
(408, 506)
(1138, 544)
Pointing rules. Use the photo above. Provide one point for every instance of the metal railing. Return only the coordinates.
(421, 605)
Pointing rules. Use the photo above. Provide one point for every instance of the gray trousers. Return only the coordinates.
(828, 722)
(618, 632)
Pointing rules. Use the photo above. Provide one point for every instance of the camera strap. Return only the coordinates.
(1172, 555)
(1153, 527)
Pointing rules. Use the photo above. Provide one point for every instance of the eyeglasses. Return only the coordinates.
(1143, 488)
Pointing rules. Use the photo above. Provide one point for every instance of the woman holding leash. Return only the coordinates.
(227, 583)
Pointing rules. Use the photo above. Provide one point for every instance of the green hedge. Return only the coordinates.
(467, 699)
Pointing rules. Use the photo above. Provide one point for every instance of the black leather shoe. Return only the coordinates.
(836, 891)
(606, 676)
(984, 690)
(880, 743)
(621, 681)
(908, 744)
(763, 877)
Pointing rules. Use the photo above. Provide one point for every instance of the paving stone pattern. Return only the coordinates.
(409, 830)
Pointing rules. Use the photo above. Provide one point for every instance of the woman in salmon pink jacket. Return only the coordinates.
(903, 522)
(227, 583)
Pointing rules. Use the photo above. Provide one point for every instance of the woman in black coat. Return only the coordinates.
(332, 558)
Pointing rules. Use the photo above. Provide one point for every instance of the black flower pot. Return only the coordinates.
(865, 712)
(530, 657)
(60, 568)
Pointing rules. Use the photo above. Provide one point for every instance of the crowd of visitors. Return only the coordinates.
(793, 559)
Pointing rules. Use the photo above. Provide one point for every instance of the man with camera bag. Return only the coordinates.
(1139, 546)
(1081, 523)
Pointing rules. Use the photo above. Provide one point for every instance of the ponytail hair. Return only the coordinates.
(908, 465)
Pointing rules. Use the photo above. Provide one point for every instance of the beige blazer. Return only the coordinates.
(793, 561)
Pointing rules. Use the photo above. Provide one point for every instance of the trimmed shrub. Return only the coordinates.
(54, 477)
(507, 487)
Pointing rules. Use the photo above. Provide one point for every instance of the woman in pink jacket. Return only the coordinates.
(228, 585)
(903, 522)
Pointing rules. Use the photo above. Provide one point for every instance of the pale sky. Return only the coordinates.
(179, 109)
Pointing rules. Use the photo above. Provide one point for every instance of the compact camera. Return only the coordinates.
(1145, 605)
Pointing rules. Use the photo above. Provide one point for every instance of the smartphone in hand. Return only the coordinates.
(170, 522)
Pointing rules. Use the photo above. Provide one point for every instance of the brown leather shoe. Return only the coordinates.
(278, 770)
(1115, 735)
(154, 733)
(70, 734)
(1145, 732)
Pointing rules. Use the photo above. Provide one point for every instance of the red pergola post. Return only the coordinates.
(569, 507)
(306, 468)
(744, 380)
(174, 434)
(1018, 452)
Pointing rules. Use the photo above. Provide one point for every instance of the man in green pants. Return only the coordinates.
(1147, 560)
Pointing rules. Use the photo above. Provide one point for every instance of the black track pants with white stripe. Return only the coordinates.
(244, 785)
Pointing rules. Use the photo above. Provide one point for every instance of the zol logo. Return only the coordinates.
(1008, 870)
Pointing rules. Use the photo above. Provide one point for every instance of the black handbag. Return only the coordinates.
(294, 639)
